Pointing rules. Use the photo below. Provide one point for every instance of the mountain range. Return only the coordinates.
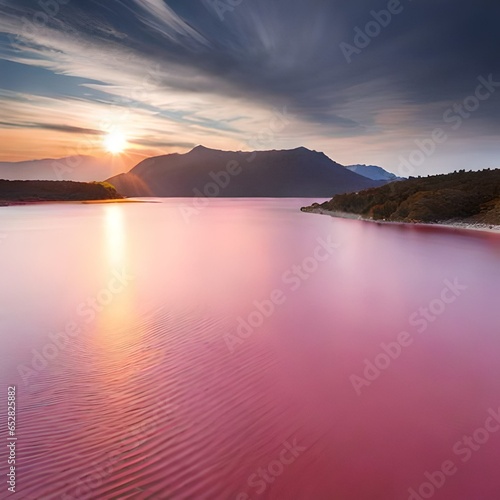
(300, 173)
(373, 172)
(202, 171)
(81, 168)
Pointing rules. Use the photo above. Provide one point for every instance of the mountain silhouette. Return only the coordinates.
(300, 173)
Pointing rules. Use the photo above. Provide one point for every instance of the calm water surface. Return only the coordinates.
(247, 350)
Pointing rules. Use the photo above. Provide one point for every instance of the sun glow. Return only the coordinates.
(115, 142)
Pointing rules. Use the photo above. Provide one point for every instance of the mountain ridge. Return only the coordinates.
(298, 172)
(374, 172)
(78, 168)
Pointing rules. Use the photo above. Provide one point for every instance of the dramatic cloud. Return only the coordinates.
(361, 80)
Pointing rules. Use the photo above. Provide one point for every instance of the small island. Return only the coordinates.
(22, 192)
(470, 199)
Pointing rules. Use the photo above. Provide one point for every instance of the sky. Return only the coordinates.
(410, 85)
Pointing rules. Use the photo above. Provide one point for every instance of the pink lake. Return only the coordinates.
(247, 350)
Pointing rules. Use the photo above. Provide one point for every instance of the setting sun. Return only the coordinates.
(115, 142)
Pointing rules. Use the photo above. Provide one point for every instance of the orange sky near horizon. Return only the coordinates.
(18, 145)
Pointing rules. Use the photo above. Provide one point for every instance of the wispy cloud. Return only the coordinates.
(160, 17)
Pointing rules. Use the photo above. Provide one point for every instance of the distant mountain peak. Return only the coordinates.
(373, 172)
(200, 148)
